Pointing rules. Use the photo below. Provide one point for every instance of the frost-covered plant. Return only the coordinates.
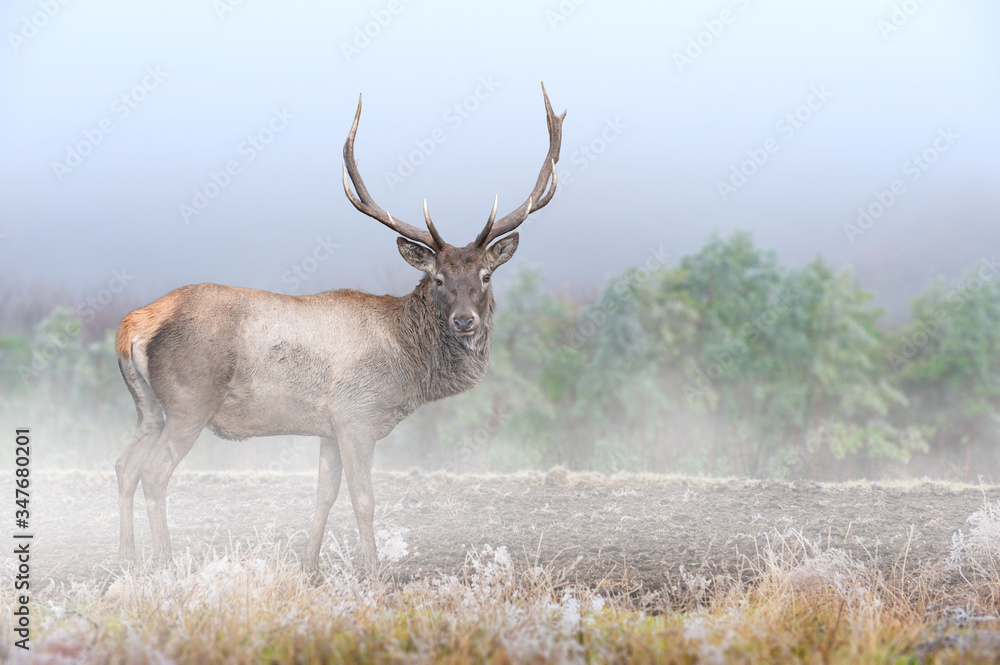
(979, 551)
(696, 584)
(487, 574)
(390, 544)
(569, 608)
(834, 569)
(710, 638)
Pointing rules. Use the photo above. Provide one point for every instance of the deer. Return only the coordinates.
(345, 366)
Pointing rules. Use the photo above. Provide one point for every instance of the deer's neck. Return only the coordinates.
(443, 364)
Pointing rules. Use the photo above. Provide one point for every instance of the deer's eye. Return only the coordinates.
(486, 278)
(438, 281)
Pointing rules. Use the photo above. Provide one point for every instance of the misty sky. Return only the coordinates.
(117, 114)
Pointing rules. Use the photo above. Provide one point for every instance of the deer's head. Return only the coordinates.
(460, 277)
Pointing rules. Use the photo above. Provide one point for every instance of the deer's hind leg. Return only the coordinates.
(184, 423)
(148, 429)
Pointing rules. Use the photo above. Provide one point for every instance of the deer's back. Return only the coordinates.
(276, 364)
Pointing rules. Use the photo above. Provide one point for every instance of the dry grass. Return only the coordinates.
(794, 602)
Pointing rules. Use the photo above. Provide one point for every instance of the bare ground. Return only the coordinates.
(612, 530)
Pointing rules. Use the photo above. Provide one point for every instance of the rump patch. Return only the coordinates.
(141, 325)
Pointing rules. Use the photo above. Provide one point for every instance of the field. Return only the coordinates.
(554, 567)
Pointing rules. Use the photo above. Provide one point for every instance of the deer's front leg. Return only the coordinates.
(330, 467)
(357, 448)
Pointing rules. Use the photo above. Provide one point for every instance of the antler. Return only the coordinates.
(539, 196)
(364, 202)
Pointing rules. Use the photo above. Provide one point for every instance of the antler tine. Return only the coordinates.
(539, 195)
(364, 202)
(484, 235)
(430, 227)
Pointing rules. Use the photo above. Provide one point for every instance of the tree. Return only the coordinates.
(949, 360)
(735, 289)
(788, 364)
(834, 351)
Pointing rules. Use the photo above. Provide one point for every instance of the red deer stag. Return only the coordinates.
(345, 366)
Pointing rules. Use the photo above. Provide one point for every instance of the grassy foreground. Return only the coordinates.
(795, 604)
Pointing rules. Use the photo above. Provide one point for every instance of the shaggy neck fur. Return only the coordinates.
(444, 363)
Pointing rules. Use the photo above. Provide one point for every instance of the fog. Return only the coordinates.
(117, 115)
(681, 402)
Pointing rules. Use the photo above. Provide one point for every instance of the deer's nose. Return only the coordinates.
(464, 325)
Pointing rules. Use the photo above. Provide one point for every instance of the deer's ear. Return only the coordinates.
(416, 255)
(501, 251)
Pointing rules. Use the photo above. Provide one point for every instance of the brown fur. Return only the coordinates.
(346, 366)
(142, 325)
